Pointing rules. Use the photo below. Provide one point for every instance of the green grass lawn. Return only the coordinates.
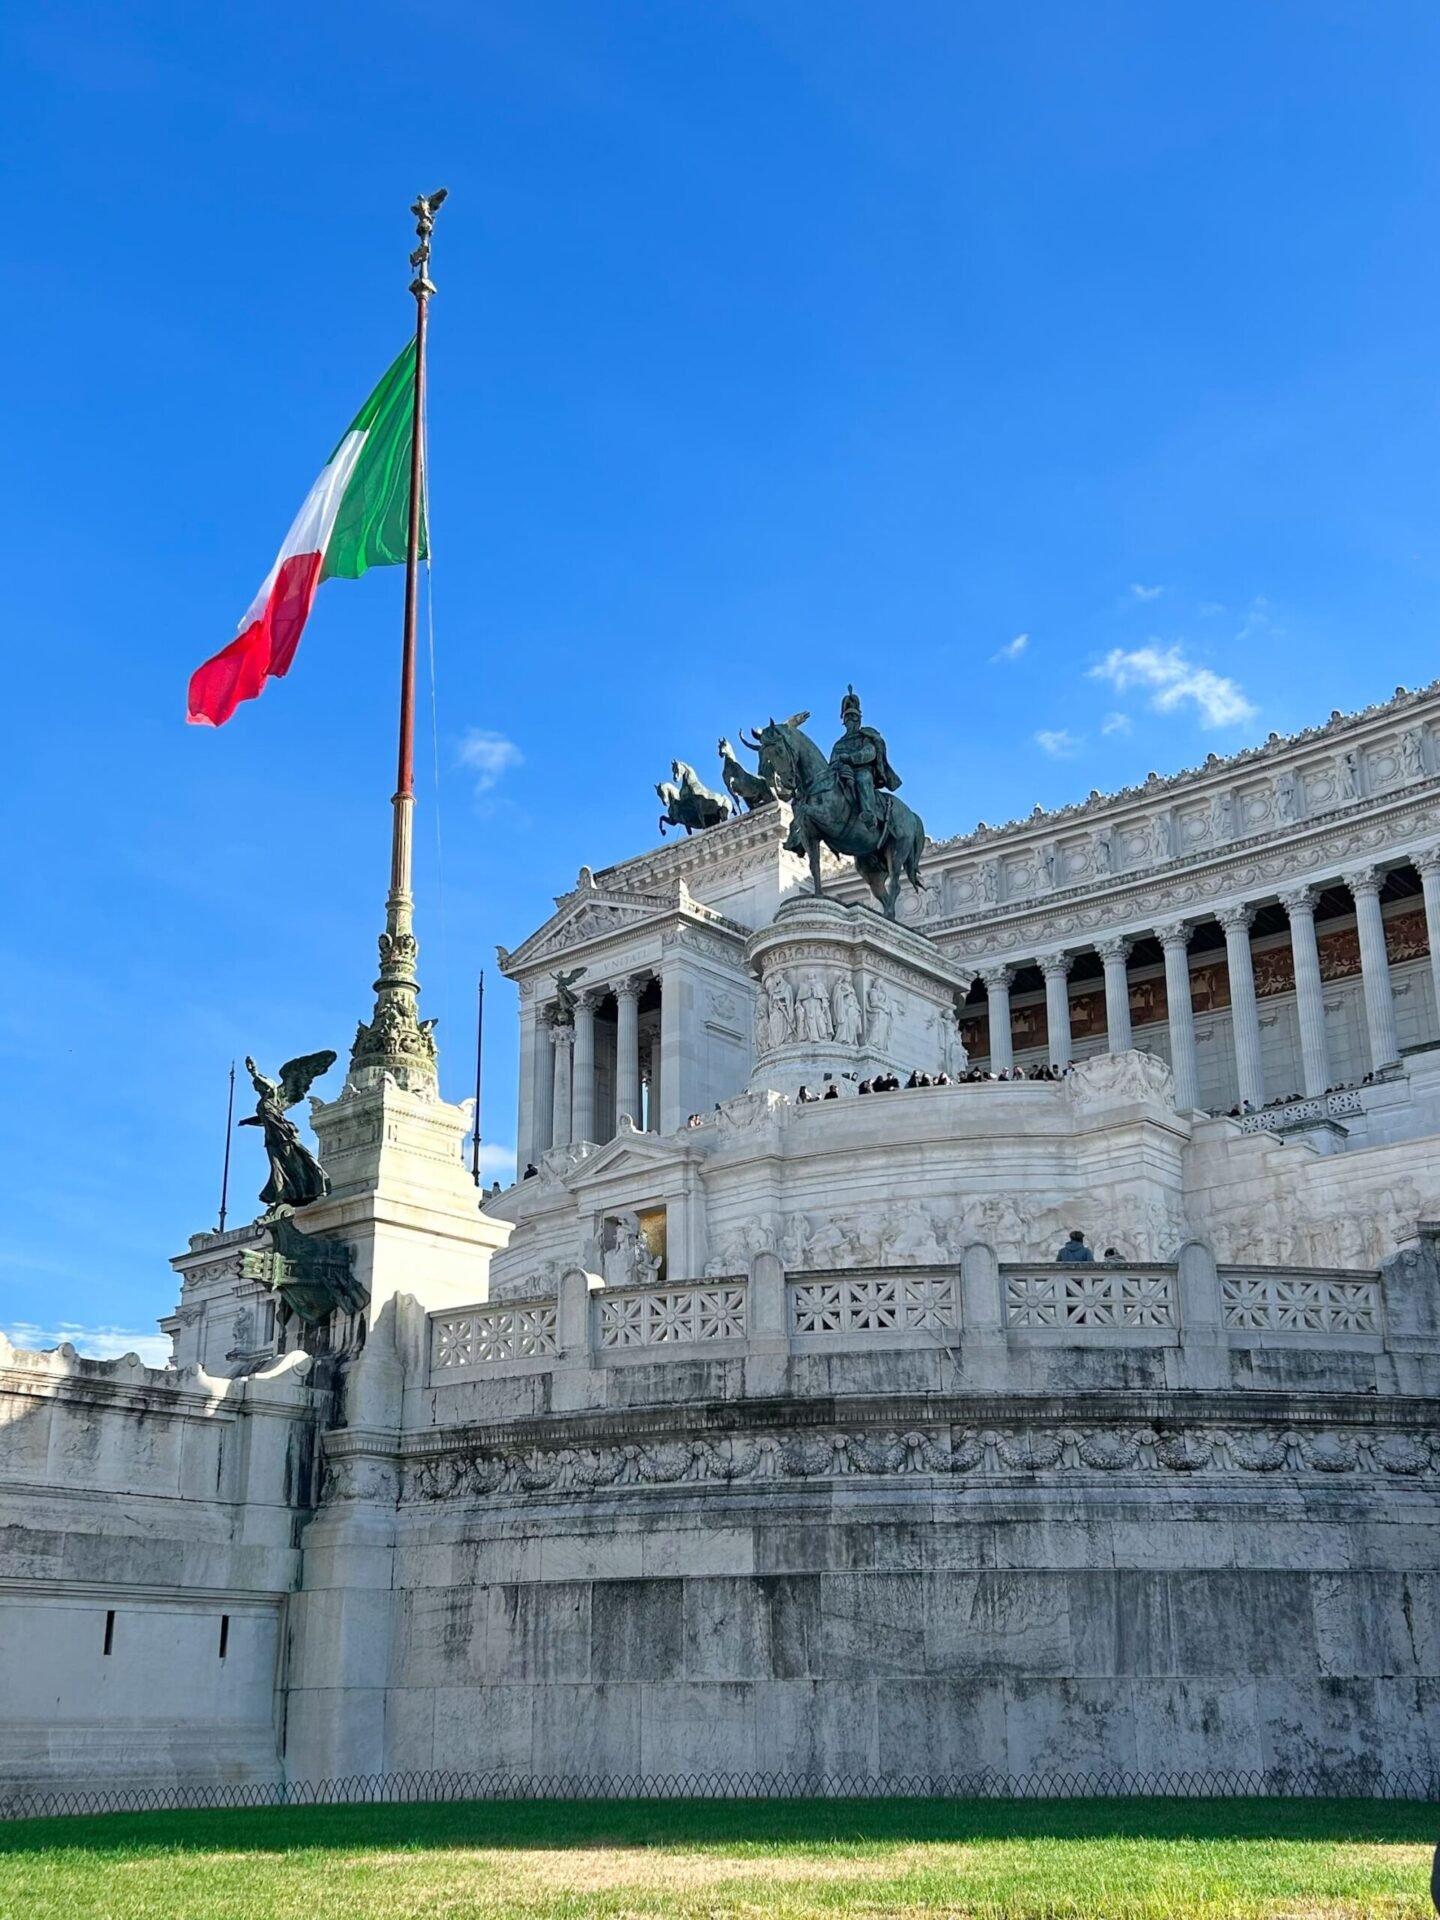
(1140, 1859)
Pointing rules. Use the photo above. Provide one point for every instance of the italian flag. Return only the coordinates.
(354, 517)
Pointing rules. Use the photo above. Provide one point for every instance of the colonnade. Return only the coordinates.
(563, 1065)
(1363, 883)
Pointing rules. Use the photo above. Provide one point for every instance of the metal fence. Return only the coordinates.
(1357, 1780)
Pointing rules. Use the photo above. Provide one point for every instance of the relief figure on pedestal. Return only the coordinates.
(1412, 753)
(779, 1010)
(878, 1015)
(845, 1012)
(813, 1010)
(846, 803)
(1286, 798)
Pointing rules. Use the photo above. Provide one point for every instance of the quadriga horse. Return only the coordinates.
(826, 815)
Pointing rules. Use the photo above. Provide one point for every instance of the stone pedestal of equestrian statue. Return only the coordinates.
(844, 992)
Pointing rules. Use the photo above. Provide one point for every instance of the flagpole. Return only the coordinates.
(479, 1060)
(229, 1130)
(396, 1043)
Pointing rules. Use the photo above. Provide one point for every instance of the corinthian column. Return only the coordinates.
(1056, 969)
(582, 1098)
(997, 987)
(1244, 1015)
(627, 1048)
(1309, 992)
(1175, 940)
(1115, 953)
(1364, 885)
(1428, 862)
(564, 1040)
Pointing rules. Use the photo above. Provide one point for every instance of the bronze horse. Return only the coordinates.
(826, 814)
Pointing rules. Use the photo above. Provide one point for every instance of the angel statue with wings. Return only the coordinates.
(296, 1176)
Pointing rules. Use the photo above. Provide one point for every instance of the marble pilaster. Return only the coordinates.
(627, 1054)
(563, 1040)
(1309, 992)
(1244, 1014)
(1364, 884)
(1427, 862)
(1115, 953)
(1056, 969)
(1174, 939)
(582, 1093)
(997, 987)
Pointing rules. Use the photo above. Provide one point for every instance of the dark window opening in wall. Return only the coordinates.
(110, 1631)
(224, 1634)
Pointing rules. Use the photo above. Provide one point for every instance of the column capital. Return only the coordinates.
(631, 987)
(997, 979)
(1117, 948)
(562, 1033)
(1236, 919)
(1364, 880)
(1299, 900)
(1174, 933)
(1056, 965)
(590, 998)
(1427, 860)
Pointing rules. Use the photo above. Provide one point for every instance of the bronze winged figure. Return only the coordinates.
(296, 1176)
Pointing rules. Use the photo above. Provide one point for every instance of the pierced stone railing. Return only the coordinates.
(671, 1316)
(1303, 1113)
(1261, 1300)
(874, 1303)
(492, 1336)
(1081, 1295)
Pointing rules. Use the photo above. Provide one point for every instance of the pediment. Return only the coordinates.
(584, 917)
(629, 1153)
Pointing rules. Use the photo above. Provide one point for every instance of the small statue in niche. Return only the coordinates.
(1286, 797)
(1412, 753)
(1350, 775)
(296, 1177)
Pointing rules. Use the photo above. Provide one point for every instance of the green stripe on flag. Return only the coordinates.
(372, 526)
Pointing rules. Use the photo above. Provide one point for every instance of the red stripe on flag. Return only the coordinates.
(262, 652)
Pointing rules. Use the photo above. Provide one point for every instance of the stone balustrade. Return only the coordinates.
(1263, 1300)
(1089, 1297)
(1304, 1113)
(669, 1316)
(1022, 1304)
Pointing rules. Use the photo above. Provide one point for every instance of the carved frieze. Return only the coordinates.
(1022, 1449)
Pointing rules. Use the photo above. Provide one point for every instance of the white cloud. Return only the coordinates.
(1173, 679)
(488, 755)
(1146, 593)
(94, 1343)
(1115, 723)
(497, 1163)
(1013, 649)
(1057, 742)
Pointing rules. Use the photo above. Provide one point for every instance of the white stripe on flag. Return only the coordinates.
(315, 522)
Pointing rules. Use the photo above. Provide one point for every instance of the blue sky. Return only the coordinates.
(778, 345)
